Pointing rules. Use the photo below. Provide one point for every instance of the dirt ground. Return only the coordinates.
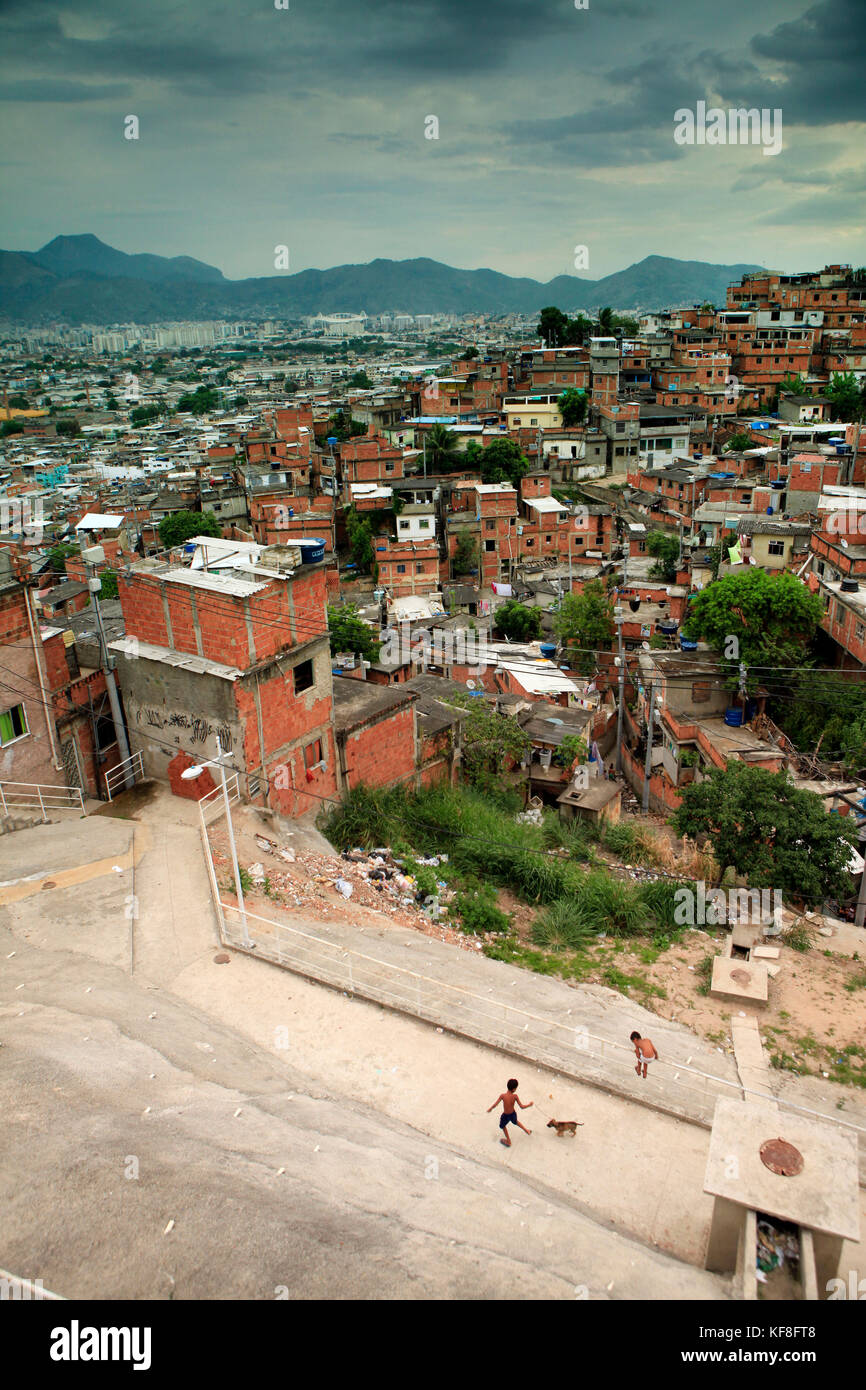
(812, 1024)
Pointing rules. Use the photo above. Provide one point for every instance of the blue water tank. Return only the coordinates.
(769, 511)
(686, 645)
(734, 717)
(312, 549)
(548, 649)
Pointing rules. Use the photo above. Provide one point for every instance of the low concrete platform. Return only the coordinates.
(740, 980)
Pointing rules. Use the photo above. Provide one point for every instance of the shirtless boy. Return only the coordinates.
(645, 1052)
(509, 1099)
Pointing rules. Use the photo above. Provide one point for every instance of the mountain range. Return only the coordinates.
(79, 279)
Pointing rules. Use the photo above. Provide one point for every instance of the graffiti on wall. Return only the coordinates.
(199, 730)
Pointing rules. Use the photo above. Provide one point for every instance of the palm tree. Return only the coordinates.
(441, 446)
(605, 320)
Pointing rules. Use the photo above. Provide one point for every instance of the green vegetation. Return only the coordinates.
(492, 743)
(771, 617)
(201, 401)
(517, 622)
(108, 584)
(180, 526)
(144, 415)
(360, 533)
(502, 461)
(572, 406)
(773, 833)
(58, 554)
(466, 554)
(666, 549)
(71, 428)
(584, 624)
(349, 633)
(476, 907)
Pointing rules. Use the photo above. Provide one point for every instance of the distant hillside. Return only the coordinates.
(78, 279)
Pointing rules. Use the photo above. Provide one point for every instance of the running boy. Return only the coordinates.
(645, 1052)
(509, 1099)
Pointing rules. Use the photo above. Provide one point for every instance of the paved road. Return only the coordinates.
(102, 1075)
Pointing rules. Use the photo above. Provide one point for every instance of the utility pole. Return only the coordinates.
(742, 688)
(647, 771)
(619, 618)
(93, 556)
(860, 914)
(231, 832)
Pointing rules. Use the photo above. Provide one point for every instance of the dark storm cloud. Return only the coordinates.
(812, 67)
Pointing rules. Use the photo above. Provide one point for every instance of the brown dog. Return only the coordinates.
(564, 1126)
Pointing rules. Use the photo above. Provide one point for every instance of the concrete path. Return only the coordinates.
(751, 1059)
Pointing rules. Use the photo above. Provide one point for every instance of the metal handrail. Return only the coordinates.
(47, 796)
(133, 764)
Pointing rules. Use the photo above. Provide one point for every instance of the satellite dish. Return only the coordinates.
(470, 685)
(645, 646)
(843, 543)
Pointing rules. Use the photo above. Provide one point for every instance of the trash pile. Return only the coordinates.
(333, 886)
(775, 1249)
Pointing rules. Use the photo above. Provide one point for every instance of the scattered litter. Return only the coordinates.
(238, 1112)
(280, 1170)
(116, 869)
(316, 1149)
(288, 855)
(146, 1111)
(89, 989)
(257, 874)
(265, 844)
(153, 1076)
(169, 1227)
(151, 1015)
(10, 955)
(343, 886)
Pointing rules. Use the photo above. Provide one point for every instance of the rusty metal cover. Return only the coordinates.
(742, 977)
(781, 1157)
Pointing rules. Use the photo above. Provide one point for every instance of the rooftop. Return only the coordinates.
(358, 702)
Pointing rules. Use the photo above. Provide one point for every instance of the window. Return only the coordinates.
(313, 754)
(419, 566)
(401, 569)
(404, 526)
(13, 724)
(489, 545)
(533, 422)
(859, 632)
(389, 468)
(423, 525)
(304, 678)
(105, 733)
(776, 548)
(490, 525)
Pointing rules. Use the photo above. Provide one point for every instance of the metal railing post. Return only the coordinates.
(42, 806)
(3, 799)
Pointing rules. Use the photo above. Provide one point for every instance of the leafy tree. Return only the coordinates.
(111, 403)
(360, 532)
(738, 442)
(517, 622)
(847, 396)
(467, 354)
(571, 748)
(291, 385)
(503, 461)
(572, 406)
(108, 584)
(629, 326)
(199, 402)
(144, 415)
(349, 633)
(666, 549)
(773, 833)
(552, 326)
(239, 402)
(342, 426)
(71, 428)
(827, 713)
(491, 742)
(11, 427)
(466, 554)
(19, 403)
(772, 619)
(361, 379)
(585, 620)
(606, 320)
(180, 526)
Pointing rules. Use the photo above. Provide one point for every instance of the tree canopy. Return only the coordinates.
(572, 406)
(490, 742)
(775, 834)
(666, 549)
(771, 617)
(180, 526)
(848, 397)
(502, 461)
(349, 633)
(585, 620)
(517, 622)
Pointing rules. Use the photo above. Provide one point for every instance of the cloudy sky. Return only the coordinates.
(306, 126)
